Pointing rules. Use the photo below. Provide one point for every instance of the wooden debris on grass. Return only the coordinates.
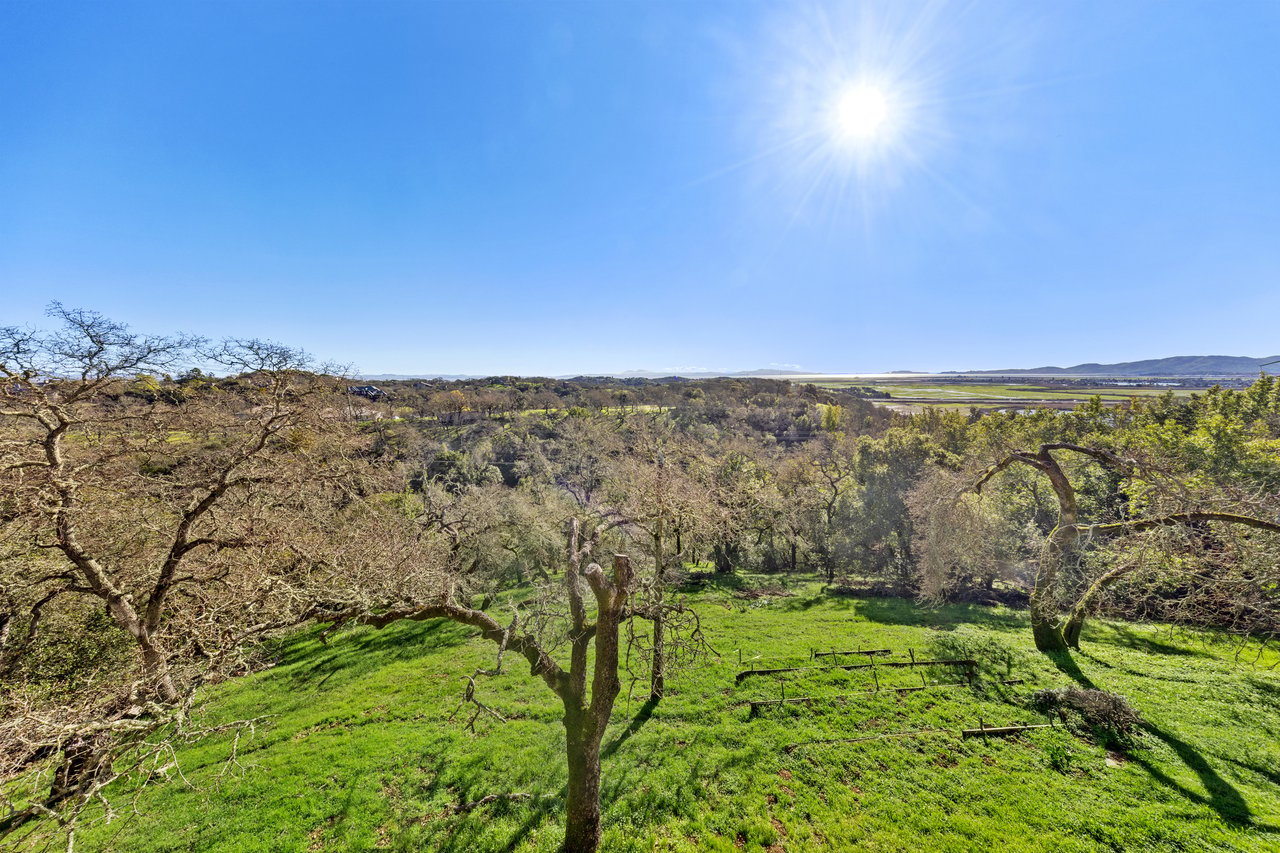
(984, 730)
(748, 673)
(834, 653)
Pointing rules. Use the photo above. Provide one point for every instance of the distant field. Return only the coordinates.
(963, 393)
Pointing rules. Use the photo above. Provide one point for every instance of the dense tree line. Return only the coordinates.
(470, 400)
(792, 482)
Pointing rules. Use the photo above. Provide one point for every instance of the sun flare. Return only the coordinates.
(852, 107)
(860, 114)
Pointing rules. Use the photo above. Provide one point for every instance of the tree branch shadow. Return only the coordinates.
(537, 816)
(1067, 665)
(637, 722)
(551, 805)
(466, 831)
(1221, 796)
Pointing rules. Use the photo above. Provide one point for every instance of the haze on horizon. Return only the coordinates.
(582, 188)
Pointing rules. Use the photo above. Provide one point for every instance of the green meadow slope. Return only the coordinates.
(358, 751)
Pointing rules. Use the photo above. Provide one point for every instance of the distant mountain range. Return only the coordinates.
(1178, 365)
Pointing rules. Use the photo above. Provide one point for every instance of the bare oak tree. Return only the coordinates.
(587, 688)
(167, 505)
(1050, 631)
(669, 511)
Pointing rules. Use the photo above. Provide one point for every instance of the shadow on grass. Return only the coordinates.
(1219, 794)
(1268, 689)
(543, 811)
(366, 650)
(1066, 664)
(1271, 774)
(901, 611)
(543, 807)
(801, 603)
(1120, 634)
(466, 832)
(637, 722)
(711, 581)
(1097, 661)
(1147, 675)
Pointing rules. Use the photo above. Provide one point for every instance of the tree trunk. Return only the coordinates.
(585, 723)
(1047, 634)
(658, 675)
(155, 665)
(1075, 621)
(722, 558)
(582, 807)
(1046, 628)
(906, 562)
(1072, 628)
(658, 666)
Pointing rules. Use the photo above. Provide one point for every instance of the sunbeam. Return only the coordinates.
(856, 103)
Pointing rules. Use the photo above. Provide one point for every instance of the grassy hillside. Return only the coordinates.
(359, 753)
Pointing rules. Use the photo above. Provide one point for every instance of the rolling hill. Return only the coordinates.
(1178, 365)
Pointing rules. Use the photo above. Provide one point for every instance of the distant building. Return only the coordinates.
(369, 392)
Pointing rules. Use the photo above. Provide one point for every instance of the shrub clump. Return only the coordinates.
(1104, 717)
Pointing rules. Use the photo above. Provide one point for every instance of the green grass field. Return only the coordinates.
(359, 753)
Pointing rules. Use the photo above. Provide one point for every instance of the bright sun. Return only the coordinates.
(860, 114)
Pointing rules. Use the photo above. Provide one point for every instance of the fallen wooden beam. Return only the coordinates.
(756, 704)
(748, 673)
(818, 654)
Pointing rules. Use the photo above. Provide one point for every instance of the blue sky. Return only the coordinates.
(549, 188)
